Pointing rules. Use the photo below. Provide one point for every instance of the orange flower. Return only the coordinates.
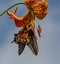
(39, 7)
(34, 9)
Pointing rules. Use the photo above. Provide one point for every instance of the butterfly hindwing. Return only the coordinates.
(33, 45)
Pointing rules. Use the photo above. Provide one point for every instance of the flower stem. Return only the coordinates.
(11, 7)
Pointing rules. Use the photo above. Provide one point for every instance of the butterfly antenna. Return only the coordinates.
(12, 41)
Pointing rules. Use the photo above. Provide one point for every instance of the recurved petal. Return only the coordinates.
(40, 10)
(10, 14)
(15, 10)
(29, 3)
(20, 21)
(41, 15)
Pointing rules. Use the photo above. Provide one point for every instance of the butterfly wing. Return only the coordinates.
(33, 43)
(33, 46)
(21, 47)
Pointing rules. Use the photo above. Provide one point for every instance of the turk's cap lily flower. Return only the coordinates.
(39, 9)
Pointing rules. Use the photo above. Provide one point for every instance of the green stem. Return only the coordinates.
(11, 7)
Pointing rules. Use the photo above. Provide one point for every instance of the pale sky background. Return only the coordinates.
(49, 43)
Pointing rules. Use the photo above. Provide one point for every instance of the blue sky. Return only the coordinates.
(49, 43)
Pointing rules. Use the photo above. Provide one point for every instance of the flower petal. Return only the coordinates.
(29, 3)
(40, 10)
